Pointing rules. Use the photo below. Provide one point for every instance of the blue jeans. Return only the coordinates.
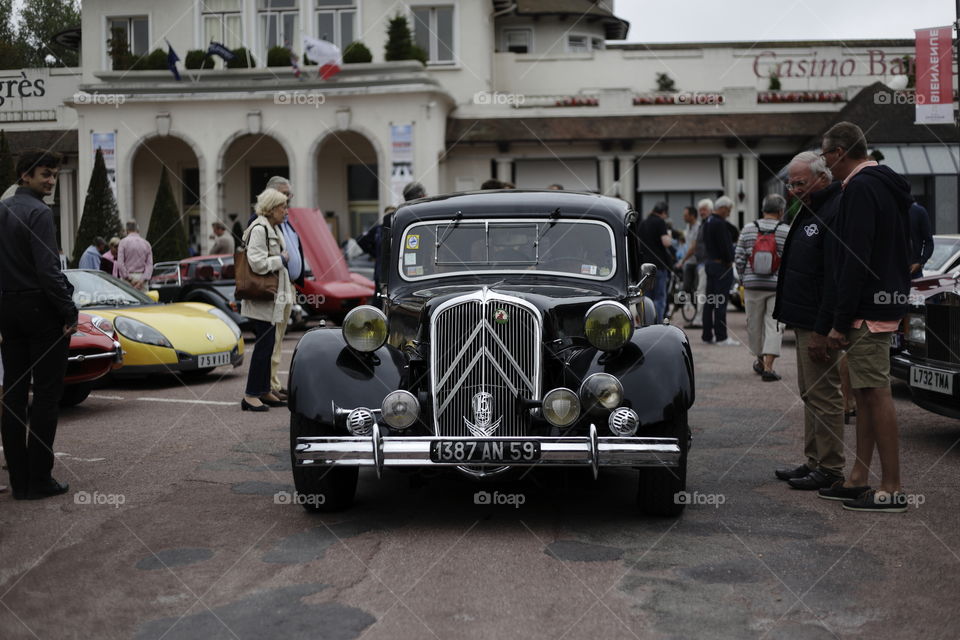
(660, 293)
(258, 377)
(719, 281)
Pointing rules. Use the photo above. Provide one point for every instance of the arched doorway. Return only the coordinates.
(246, 164)
(183, 167)
(348, 183)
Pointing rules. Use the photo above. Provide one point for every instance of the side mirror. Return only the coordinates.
(648, 272)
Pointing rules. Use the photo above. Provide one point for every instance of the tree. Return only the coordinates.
(13, 50)
(99, 210)
(665, 83)
(8, 173)
(166, 233)
(40, 20)
(400, 44)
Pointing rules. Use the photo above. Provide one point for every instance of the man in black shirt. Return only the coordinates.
(655, 241)
(37, 318)
(718, 243)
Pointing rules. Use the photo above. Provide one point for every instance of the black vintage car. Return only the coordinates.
(514, 333)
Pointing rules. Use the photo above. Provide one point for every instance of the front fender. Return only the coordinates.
(655, 369)
(325, 371)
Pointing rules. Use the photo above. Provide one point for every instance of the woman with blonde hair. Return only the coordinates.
(266, 253)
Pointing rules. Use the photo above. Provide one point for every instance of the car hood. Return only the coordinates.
(187, 325)
(922, 289)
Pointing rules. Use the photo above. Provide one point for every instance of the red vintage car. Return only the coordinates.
(329, 289)
(94, 352)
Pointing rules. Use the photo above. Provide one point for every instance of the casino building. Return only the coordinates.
(530, 91)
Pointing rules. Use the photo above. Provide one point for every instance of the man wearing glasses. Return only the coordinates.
(872, 273)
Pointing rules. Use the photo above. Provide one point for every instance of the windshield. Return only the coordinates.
(577, 248)
(943, 251)
(96, 289)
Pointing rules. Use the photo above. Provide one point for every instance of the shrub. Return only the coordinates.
(240, 59)
(278, 57)
(197, 59)
(356, 51)
(156, 60)
(400, 45)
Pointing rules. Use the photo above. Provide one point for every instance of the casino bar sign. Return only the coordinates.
(874, 62)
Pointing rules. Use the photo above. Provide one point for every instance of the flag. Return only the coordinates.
(325, 54)
(294, 58)
(172, 60)
(217, 49)
(934, 73)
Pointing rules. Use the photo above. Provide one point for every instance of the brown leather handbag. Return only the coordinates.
(250, 285)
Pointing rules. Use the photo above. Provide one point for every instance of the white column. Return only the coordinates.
(627, 178)
(730, 175)
(505, 169)
(67, 183)
(211, 199)
(606, 174)
(751, 187)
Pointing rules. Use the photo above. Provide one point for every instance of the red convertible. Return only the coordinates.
(94, 352)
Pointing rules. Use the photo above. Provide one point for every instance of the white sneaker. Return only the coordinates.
(729, 342)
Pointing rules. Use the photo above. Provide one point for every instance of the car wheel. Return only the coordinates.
(659, 488)
(320, 487)
(74, 394)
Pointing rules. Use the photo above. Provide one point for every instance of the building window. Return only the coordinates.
(279, 24)
(223, 23)
(578, 44)
(336, 21)
(599, 44)
(128, 35)
(433, 32)
(518, 40)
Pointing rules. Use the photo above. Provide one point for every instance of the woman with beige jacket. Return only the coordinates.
(266, 253)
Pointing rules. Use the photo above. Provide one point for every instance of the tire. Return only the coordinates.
(74, 394)
(320, 488)
(658, 487)
(689, 310)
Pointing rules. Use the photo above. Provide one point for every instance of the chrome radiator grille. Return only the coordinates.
(484, 343)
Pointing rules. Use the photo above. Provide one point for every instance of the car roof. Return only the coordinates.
(506, 203)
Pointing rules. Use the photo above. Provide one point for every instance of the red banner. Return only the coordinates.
(934, 75)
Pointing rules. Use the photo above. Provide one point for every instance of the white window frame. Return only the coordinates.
(505, 38)
(107, 61)
(433, 49)
(221, 15)
(337, 10)
(568, 48)
(261, 28)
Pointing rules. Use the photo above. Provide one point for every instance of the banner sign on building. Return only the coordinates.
(107, 143)
(401, 172)
(934, 70)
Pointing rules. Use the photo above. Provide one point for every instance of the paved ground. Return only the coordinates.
(182, 536)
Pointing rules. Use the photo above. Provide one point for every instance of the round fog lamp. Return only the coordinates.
(400, 409)
(365, 328)
(561, 407)
(608, 325)
(601, 392)
(624, 422)
(360, 421)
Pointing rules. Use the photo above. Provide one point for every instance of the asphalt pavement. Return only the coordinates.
(179, 525)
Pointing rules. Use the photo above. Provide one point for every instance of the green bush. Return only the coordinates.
(278, 57)
(356, 51)
(240, 61)
(197, 59)
(400, 45)
(156, 60)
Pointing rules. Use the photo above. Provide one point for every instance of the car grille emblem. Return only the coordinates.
(210, 337)
(483, 414)
(500, 316)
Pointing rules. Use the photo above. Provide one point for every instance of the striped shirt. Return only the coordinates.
(748, 237)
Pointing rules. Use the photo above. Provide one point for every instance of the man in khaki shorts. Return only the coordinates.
(872, 275)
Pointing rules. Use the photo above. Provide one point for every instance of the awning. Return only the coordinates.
(678, 174)
(575, 174)
(921, 159)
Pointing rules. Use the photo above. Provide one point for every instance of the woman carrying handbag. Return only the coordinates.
(266, 256)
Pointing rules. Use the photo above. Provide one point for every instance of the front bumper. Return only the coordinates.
(185, 362)
(414, 451)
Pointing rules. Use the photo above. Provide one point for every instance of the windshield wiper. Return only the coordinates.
(456, 221)
(554, 217)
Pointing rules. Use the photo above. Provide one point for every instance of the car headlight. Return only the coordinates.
(365, 328)
(227, 320)
(400, 409)
(916, 329)
(103, 325)
(608, 325)
(561, 407)
(601, 392)
(140, 332)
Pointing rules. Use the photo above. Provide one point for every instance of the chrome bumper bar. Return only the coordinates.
(414, 451)
(116, 355)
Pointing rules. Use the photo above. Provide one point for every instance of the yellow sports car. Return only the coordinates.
(158, 338)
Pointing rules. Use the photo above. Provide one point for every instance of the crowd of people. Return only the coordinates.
(130, 258)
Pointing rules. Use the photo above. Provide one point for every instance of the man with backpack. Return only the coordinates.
(758, 254)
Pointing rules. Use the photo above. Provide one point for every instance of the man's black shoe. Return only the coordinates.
(786, 474)
(770, 376)
(816, 479)
(46, 490)
(837, 491)
(878, 501)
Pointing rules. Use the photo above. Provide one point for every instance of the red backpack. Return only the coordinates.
(765, 258)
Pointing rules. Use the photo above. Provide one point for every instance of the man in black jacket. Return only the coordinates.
(37, 318)
(718, 244)
(872, 272)
(921, 240)
(805, 300)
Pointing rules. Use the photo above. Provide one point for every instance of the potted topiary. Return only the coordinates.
(356, 51)
(400, 45)
(156, 60)
(240, 59)
(197, 59)
(278, 57)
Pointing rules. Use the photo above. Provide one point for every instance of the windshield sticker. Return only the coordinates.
(604, 271)
(413, 242)
(409, 258)
(588, 269)
(414, 271)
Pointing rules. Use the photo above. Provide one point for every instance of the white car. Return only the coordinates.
(945, 257)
